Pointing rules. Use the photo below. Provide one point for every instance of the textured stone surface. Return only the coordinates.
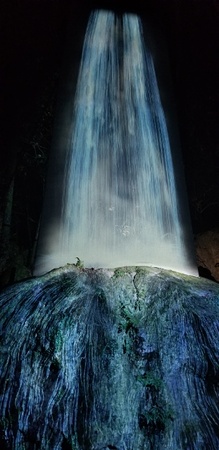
(124, 359)
(207, 249)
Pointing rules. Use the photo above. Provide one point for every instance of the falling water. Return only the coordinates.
(120, 204)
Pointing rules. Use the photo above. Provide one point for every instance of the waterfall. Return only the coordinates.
(120, 204)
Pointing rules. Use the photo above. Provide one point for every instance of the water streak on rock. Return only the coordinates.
(99, 359)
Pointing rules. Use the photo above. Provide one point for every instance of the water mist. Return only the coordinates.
(119, 203)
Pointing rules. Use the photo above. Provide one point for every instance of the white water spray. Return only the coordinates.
(120, 203)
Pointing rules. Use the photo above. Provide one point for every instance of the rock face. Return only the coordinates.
(124, 359)
(207, 249)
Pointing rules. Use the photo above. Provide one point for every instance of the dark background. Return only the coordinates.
(34, 34)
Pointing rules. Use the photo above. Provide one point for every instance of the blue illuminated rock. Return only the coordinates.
(124, 359)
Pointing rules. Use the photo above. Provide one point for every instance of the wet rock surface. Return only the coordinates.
(126, 358)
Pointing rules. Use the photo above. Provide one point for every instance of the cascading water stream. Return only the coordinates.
(120, 202)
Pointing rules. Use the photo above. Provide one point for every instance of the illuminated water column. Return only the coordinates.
(119, 204)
